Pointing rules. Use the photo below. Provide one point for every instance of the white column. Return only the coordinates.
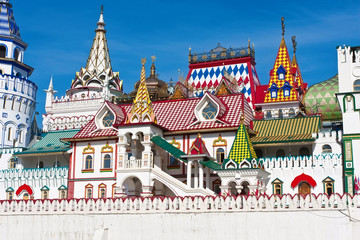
(207, 171)
(201, 176)
(188, 180)
(196, 174)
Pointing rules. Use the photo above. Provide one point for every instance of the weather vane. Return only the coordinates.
(293, 39)
(143, 61)
(153, 59)
(283, 25)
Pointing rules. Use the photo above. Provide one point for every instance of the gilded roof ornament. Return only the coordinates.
(153, 59)
(293, 39)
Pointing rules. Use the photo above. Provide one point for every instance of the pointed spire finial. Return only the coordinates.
(283, 25)
(101, 24)
(293, 39)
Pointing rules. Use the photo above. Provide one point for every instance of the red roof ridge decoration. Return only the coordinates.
(24, 188)
(303, 178)
(142, 108)
(198, 147)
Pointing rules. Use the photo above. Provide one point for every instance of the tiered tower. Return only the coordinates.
(348, 98)
(17, 92)
(93, 85)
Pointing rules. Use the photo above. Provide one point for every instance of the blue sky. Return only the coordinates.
(60, 35)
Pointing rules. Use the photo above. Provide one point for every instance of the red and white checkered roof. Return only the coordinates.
(178, 115)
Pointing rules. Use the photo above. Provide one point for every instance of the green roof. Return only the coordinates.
(51, 142)
(178, 153)
(320, 98)
(286, 130)
(168, 147)
(242, 147)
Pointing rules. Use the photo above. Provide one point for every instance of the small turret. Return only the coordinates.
(50, 94)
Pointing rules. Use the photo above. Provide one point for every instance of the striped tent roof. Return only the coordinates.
(286, 130)
(8, 26)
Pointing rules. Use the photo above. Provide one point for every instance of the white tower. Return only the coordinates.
(349, 100)
(17, 92)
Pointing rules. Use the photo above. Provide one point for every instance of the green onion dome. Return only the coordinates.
(320, 98)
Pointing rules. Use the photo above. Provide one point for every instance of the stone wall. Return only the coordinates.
(289, 217)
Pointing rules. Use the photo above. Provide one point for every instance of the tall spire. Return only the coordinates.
(101, 24)
(281, 84)
(98, 63)
(99, 59)
(142, 109)
(8, 25)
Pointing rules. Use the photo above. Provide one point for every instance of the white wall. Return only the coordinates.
(225, 220)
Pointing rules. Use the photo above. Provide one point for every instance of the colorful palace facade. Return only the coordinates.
(219, 131)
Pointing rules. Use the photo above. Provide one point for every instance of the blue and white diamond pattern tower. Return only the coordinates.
(17, 92)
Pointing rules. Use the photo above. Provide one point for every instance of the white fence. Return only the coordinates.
(181, 205)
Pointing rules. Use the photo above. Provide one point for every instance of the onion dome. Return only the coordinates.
(157, 88)
(320, 98)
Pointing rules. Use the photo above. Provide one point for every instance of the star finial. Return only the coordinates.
(143, 61)
(293, 39)
(283, 25)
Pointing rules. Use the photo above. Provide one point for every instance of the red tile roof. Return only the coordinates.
(178, 115)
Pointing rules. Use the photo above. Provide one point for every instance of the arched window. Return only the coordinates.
(10, 195)
(17, 54)
(4, 103)
(26, 196)
(10, 134)
(2, 52)
(62, 194)
(281, 115)
(268, 114)
(18, 75)
(245, 190)
(107, 161)
(102, 191)
(277, 186)
(304, 151)
(291, 112)
(209, 112)
(259, 153)
(280, 153)
(220, 155)
(13, 162)
(108, 120)
(20, 137)
(326, 149)
(57, 164)
(13, 103)
(88, 191)
(216, 186)
(329, 188)
(45, 194)
(40, 164)
(357, 85)
(88, 162)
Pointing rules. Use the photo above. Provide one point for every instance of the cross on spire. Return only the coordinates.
(283, 25)
(293, 39)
